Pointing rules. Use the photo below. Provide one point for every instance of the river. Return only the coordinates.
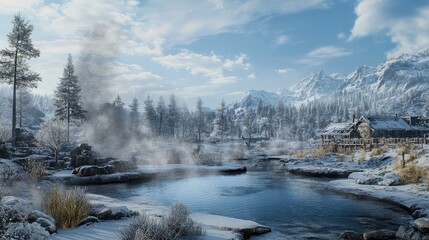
(298, 207)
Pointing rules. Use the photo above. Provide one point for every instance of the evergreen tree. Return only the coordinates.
(150, 115)
(134, 115)
(173, 115)
(67, 99)
(160, 113)
(199, 119)
(14, 68)
(220, 122)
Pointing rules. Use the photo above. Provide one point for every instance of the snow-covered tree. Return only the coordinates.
(14, 68)
(199, 118)
(249, 122)
(172, 116)
(52, 134)
(67, 98)
(150, 115)
(161, 112)
(220, 122)
(134, 115)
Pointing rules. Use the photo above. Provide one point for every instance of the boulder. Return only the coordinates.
(350, 235)
(81, 155)
(47, 224)
(418, 214)
(5, 152)
(422, 224)
(35, 214)
(410, 233)
(379, 235)
(86, 171)
(88, 221)
(102, 213)
(390, 179)
(120, 165)
(19, 204)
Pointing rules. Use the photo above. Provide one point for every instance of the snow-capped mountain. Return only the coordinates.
(316, 85)
(399, 83)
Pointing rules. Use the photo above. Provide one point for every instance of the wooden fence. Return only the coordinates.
(355, 142)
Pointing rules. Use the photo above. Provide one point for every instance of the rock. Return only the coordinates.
(47, 224)
(35, 214)
(120, 165)
(88, 220)
(23, 135)
(5, 152)
(350, 235)
(390, 179)
(370, 180)
(418, 214)
(81, 155)
(422, 224)
(102, 213)
(19, 204)
(86, 171)
(410, 233)
(380, 235)
(258, 230)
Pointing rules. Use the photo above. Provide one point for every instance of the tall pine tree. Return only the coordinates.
(67, 99)
(14, 68)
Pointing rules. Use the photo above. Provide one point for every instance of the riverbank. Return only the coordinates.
(215, 226)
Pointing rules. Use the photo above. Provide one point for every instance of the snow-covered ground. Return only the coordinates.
(215, 227)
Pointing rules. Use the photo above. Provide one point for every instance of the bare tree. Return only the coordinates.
(52, 134)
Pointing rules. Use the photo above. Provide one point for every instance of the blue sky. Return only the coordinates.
(217, 49)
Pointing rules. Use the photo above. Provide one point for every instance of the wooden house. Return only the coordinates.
(338, 131)
(388, 127)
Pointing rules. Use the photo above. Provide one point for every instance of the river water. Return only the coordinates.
(299, 207)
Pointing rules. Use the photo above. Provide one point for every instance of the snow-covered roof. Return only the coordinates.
(338, 129)
(389, 123)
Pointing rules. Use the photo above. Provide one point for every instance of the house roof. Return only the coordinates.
(388, 123)
(338, 129)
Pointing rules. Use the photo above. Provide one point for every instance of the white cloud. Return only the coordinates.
(321, 55)
(211, 66)
(284, 70)
(181, 22)
(14, 6)
(282, 39)
(406, 24)
(341, 36)
(251, 76)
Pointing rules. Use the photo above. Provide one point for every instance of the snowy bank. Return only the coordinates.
(215, 227)
(144, 174)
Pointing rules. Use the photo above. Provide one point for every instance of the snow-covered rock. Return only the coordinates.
(422, 224)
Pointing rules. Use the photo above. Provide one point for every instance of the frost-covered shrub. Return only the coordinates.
(68, 207)
(176, 225)
(35, 170)
(207, 158)
(9, 175)
(25, 231)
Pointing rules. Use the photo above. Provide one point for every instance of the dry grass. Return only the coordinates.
(68, 207)
(319, 152)
(35, 170)
(300, 154)
(362, 157)
(377, 151)
(410, 173)
(412, 157)
(330, 149)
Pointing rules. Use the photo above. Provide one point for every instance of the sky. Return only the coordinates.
(216, 49)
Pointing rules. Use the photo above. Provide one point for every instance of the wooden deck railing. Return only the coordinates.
(374, 141)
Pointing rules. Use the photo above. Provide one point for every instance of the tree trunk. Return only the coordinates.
(20, 110)
(14, 99)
